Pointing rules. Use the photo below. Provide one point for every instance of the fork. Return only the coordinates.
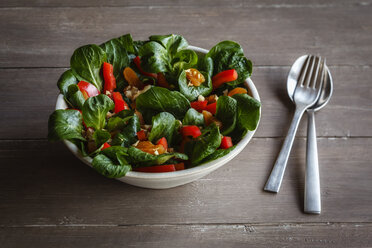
(306, 94)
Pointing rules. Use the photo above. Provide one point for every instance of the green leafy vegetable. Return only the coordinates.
(65, 124)
(117, 56)
(95, 110)
(229, 55)
(128, 135)
(86, 63)
(163, 125)
(226, 113)
(67, 78)
(184, 60)
(100, 137)
(192, 92)
(218, 154)
(193, 117)
(205, 145)
(139, 158)
(158, 99)
(172, 42)
(106, 167)
(248, 111)
(206, 64)
(154, 57)
(127, 42)
(75, 97)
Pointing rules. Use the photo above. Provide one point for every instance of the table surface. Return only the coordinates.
(48, 198)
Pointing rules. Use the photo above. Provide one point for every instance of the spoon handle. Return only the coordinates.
(276, 176)
(312, 202)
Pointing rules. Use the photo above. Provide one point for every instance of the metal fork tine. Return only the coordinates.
(309, 73)
(314, 79)
(304, 70)
(319, 83)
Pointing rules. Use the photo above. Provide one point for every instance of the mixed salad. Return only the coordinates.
(154, 105)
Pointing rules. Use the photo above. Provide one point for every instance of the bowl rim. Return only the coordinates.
(61, 104)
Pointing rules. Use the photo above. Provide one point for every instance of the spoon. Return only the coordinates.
(312, 203)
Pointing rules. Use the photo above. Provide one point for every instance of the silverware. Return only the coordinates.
(306, 94)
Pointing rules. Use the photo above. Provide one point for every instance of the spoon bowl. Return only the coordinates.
(294, 75)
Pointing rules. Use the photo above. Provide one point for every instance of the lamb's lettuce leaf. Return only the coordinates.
(226, 113)
(192, 92)
(229, 55)
(65, 80)
(206, 64)
(158, 99)
(193, 117)
(218, 154)
(86, 63)
(154, 57)
(101, 136)
(138, 158)
(75, 97)
(163, 125)
(184, 60)
(105, 166)
(128, 135)
(117, 56)
(248, 111)
(65, 124)
(204, 145)
(95, 110)
(172, 42)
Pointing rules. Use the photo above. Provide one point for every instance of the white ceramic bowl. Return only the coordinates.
(171, 179)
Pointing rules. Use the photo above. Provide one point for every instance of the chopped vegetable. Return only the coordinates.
(211, 108)
(120, 104)
(226, 142)
(105, 145)
(199, 105)
(141, 135)
(137, 62)
(162, 81)
(192, 131)
(224, 77)
(163, 142)
(157, 168)
(88, 89)
(179, 166)
(109, 78)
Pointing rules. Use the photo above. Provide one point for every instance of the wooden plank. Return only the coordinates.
(188, 3)
(46, 37)
(30, 97)
(249, 235)
(43, 184)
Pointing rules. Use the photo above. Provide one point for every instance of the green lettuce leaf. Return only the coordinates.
(163, 125)
(65, 124)
(226, 112)
(95, 110)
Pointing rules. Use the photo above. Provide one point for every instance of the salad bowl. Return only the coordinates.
(172, 179)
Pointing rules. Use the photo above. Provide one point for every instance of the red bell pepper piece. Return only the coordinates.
(162, 81)
(179, 166)
(199, 105)
(224, 77)
(193, 131)
(109, 78)
(141, 135)
(137, 62)
(226, 142)
(211, 108)
(157, 168)
(88, 89)
(120, 104)
(105, 145)
(163, 142)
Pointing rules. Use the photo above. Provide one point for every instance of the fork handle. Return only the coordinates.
(312, 202)
(276, 176)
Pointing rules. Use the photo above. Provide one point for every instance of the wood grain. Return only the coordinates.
(25, 112)
(248, 235)
(43, 184)
(46, 37)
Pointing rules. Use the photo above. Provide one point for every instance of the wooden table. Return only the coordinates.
(50, 199)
